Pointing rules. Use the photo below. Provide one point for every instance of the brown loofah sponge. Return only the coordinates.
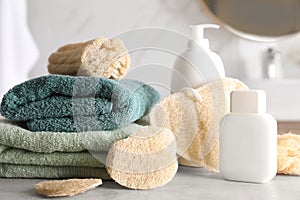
(70, 187)
(288, 156)
(99, 57)
(193, 116)
(145, 160)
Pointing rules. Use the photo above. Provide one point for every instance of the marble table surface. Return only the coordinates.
(188, 184)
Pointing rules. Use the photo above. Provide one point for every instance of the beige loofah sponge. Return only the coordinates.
(100, 57)
(145, 160)
(288, 154)
(193, 116)
(68, 187)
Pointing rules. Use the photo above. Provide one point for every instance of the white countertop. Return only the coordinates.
(188, 184)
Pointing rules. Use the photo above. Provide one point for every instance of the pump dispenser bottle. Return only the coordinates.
(198, 64)
(248, 139)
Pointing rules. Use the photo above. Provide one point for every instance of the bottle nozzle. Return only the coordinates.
(198, 33)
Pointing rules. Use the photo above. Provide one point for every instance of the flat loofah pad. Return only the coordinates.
(193, 116)
(288, 154)
(101, 57)
(68, 187)
(145, 160)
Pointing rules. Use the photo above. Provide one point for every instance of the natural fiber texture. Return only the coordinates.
(65, 103)
(25, 154)
(101, 57)
(145, 160)
(193, 116)
(144, 181)
(69, 187)
(288, 156)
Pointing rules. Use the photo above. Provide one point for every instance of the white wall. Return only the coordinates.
(56, 22)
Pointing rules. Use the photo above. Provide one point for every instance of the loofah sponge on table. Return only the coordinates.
(62, 188)
(193, 116)
(288, 156)
(101, 57)
(145, 160)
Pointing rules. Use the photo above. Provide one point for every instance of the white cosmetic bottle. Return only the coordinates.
(198, 64)
(248, 139)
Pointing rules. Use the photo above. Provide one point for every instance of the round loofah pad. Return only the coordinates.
(193, 116)
(101, 57)
(68, 187)
(145, 160)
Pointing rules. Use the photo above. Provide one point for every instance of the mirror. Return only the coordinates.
(262, 20)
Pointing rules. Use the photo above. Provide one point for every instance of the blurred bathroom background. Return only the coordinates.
(30, 30)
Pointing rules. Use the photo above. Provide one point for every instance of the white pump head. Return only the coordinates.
(198, 33)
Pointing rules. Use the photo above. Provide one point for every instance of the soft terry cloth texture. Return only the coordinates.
(47, 142)
(65, 103)
(25, 154)
(50, 169)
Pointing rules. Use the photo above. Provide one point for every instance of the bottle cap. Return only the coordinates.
(249, 101)
(198, 33)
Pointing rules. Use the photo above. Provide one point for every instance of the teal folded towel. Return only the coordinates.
(26, 154)
(66, 103)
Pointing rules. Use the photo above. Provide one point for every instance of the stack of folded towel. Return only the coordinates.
(54, 122)
(29, 154)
